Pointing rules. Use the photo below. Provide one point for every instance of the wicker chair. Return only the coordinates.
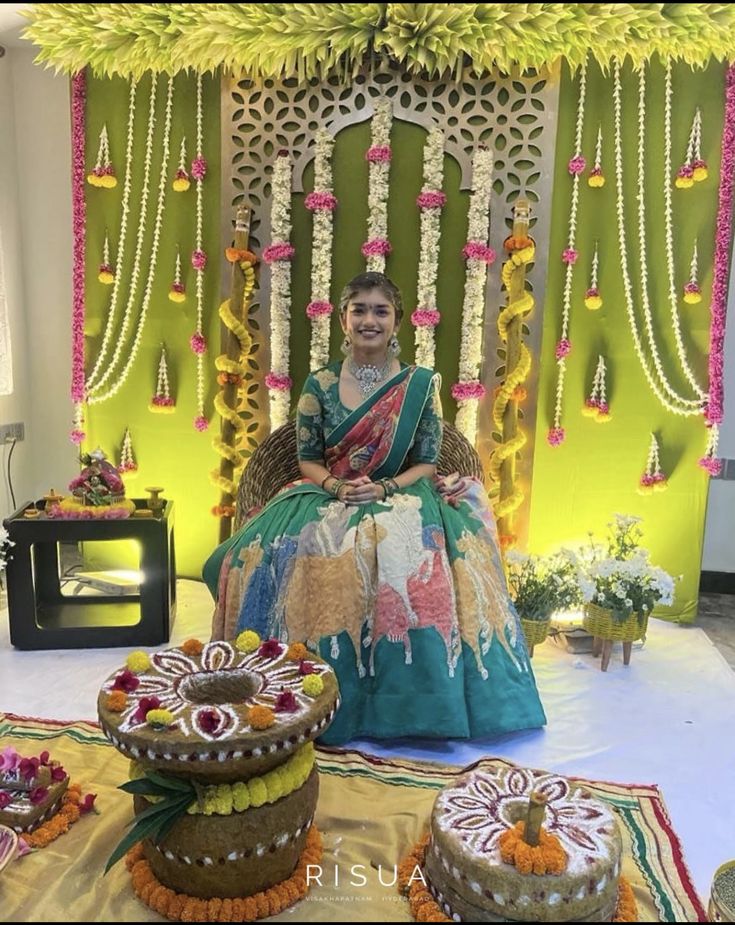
(275, 463)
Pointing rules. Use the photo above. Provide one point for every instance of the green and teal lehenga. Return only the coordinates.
(406, 598)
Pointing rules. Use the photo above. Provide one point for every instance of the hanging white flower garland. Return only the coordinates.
(592, 298)
(596, 179)
(692, 289)
(669, 230)
(431, 201)
(122, 240)
(106, 271)
(181, 182)
(468, 390)
(322, 202)
(115, 387)
(680, 405)
(162, 402)
(279, 255)
(377, 247)
(653, 478)
(576, 166)
(198, 341)
(128, 465)
(596, 406)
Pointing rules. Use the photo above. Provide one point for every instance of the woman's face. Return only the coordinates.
(369, 321)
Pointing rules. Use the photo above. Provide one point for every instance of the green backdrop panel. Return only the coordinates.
(579, 485)
(168, 450)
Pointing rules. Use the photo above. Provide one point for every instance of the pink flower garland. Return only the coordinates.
(380, 154)
(278, 382)
(79, 94)
(462, 391)
(431, 199)
(198, 343)
(425, 318)
(714, 409)
(317, 309)
(377, 247)
(199, 168)
(476, 250)
(556, 436)
(321, 201)
(199, 260)
(279, 250)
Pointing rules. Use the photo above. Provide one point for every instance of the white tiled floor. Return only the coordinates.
(669, 718)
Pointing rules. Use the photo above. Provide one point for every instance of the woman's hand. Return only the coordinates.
(361, 490)
(451, 487)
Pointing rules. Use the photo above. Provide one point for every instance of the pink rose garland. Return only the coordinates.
(79, 94)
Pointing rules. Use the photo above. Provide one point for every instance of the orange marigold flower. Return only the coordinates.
(116, 701)
(250, 909)
(296, 652)
(261, 717)
(192, 647)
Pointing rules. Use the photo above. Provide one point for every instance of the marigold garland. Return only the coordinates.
(424, 908)
(180, 907)
(60, 822)
(521, 252)
(547, 857)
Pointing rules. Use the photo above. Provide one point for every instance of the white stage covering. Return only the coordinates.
(667, 719)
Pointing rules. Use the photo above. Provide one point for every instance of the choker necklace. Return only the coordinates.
(369, 376)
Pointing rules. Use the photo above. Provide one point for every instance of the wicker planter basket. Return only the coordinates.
(535, 632)
(602, 624)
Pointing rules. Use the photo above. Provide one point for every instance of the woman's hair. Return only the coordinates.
(364, 282)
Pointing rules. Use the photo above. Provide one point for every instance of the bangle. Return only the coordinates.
(382, 484)
(327, 476)
(334, 490)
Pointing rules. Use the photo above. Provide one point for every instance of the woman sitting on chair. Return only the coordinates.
(393, 574)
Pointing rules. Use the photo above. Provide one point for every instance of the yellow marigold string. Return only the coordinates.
(116, 701)
(247, 641)
(138, 661)
(297, 652)
(548, 857)
(312, 685)
(192, 647)
(261, 717)
(179, 907)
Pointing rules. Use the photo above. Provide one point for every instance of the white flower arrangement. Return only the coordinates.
(620, 577)
(542, 585)
(322, 203)
(430, 202)
(279, 255)
(478, 256)
(377, 246)
(132, 351)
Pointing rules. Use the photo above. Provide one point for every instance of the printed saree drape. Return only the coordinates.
(405, 598)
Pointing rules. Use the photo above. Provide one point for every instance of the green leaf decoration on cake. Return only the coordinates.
(156, 821)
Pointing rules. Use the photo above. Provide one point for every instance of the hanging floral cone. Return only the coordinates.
(699, 167)
(106, 272)
(596, 406)
(685, 178)
(653, 478)
(592, 298)
(177, 292)
(596, 179)
(181, 181)
(709, 462)
(692, 290)
(103, 173)
(162, 403)
(128, 465)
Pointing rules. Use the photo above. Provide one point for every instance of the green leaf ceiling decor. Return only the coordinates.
(309, 39)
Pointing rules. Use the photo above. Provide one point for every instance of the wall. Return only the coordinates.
(41, 184)
(17, 406)
(35, 210)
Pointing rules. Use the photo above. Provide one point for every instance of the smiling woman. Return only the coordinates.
(393, 575)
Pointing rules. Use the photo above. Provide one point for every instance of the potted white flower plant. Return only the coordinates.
(539, 587)
(620, 588)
